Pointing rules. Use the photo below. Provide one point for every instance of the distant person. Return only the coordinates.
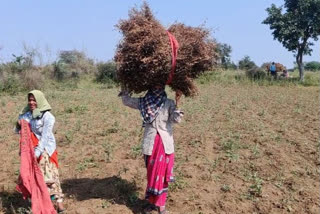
(285, 74)
(273, 70)
(36, 123)
(159, 114)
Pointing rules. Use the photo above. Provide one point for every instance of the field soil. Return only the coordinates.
(240, 149)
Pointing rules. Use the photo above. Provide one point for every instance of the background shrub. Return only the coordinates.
(312, 66)
(106, 72)
(256, 73)
(72, 64)
(61, 71)
(32, 79)
(311, 79)
(246, 63)
(9, 82)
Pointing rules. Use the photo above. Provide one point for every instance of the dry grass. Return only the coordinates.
(240, 149)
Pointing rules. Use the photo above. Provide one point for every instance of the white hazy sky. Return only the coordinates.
(51, 26)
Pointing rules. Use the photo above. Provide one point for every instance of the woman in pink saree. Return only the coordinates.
(159, 114)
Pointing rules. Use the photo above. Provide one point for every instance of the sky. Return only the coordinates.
(89, 26)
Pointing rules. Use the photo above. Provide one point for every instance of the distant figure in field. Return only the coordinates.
(273, 70)
(159, 114)
(285, 74)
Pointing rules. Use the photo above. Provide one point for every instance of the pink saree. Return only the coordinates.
(159, 173)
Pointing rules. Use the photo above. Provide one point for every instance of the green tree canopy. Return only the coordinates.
(246, 63)
(224, 51)
(312, 66)
(295, 27)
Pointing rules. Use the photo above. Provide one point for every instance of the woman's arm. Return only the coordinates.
(47, 133)
(26, 116)
(17, 128)
(129, 101)
(175, 114)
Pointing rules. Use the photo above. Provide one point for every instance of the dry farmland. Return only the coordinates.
(241, 148)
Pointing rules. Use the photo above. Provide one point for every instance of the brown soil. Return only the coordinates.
(240, 149)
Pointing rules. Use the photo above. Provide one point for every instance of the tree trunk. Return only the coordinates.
(300, 65)
(299, 57)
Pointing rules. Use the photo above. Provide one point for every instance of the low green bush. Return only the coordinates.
(106, 73)
(256, 74)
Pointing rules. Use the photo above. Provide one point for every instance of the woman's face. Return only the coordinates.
(32, 102)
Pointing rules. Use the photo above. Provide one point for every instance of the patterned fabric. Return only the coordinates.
(163, 124)
(159, 173)
(51, 176)
(31, 181)
(150, 104)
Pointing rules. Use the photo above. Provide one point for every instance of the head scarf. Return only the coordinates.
(151, 103)
(42, 104)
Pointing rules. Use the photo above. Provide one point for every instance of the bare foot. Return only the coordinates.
(60, 207)
(162, 210)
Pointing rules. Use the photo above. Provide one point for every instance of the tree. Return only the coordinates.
(312, 66)
(72, 57)
(295, 27)
(76, 60)
(246, 63)
(224, 51)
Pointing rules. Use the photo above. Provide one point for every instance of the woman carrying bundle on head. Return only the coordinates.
(147, 59)
(39, 176)
(159, 114)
